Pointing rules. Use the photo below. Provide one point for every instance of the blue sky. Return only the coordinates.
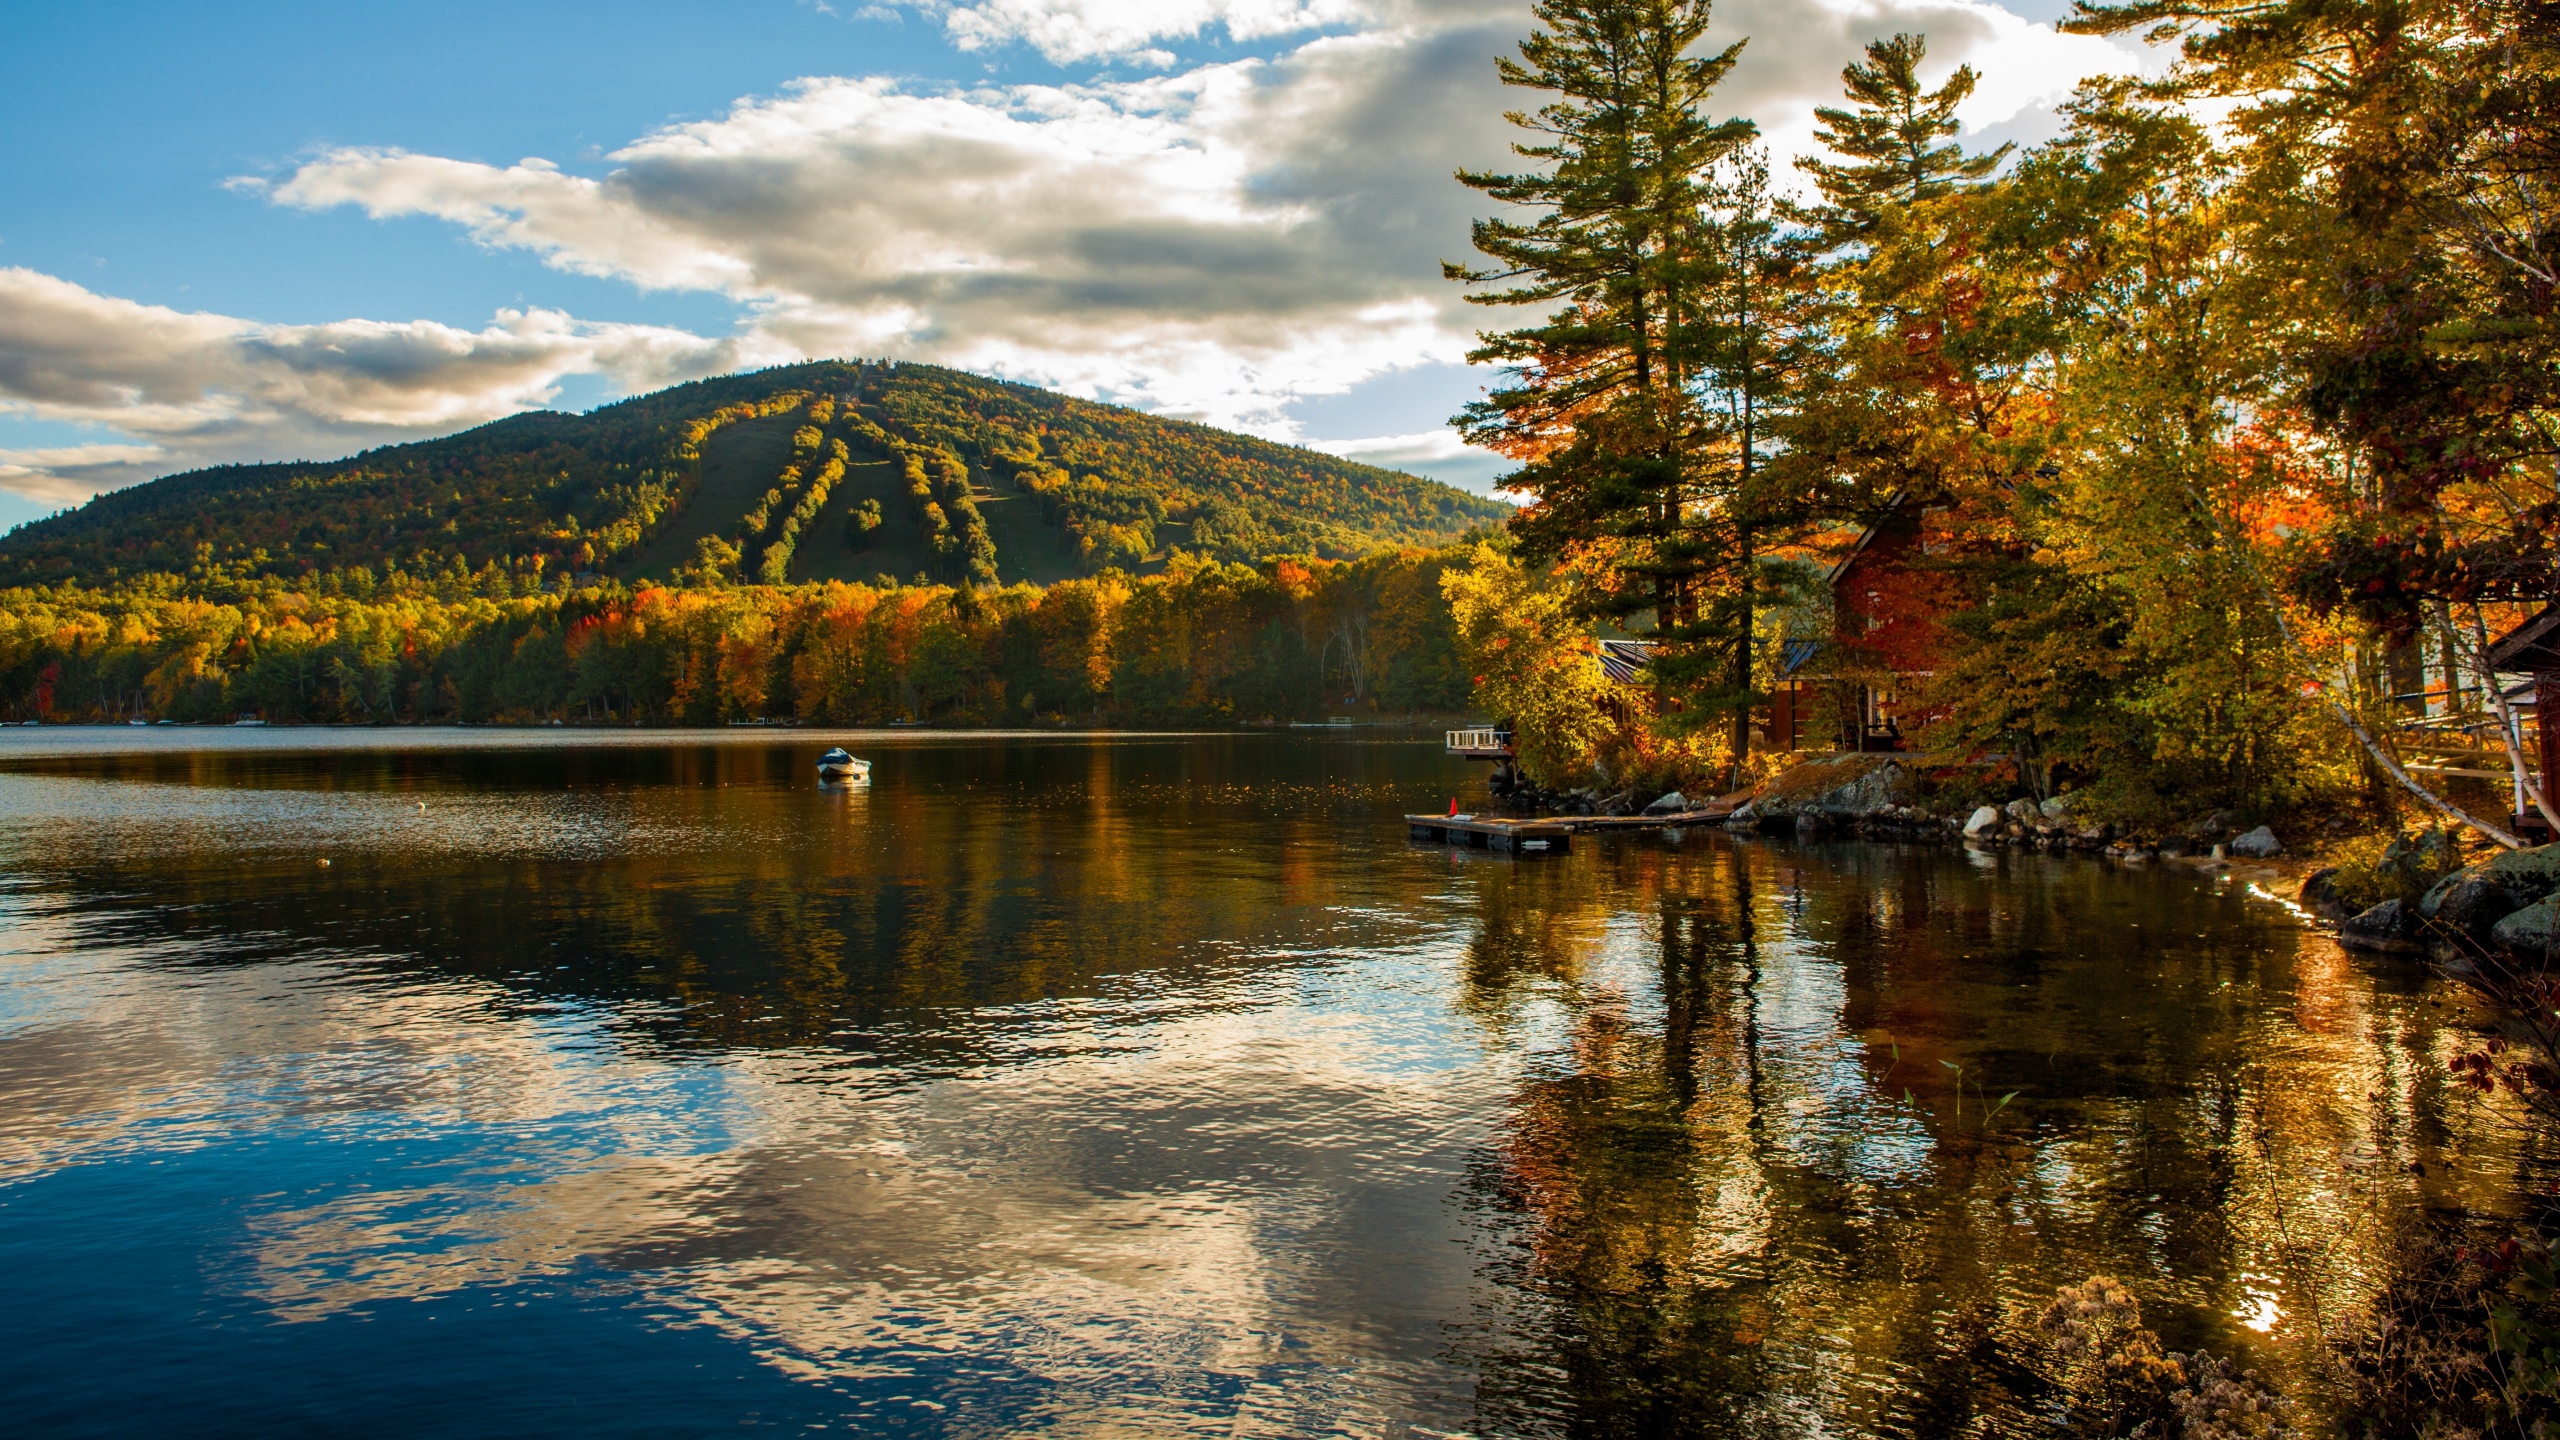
(290, 231)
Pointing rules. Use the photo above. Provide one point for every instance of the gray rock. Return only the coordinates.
(2389, 927)
(1670, 804)
(2467, 903)
(2528, 933)
(2319, 894)
(2258, 844)
(1746, 818)
(1982, 821)
(2529, 875)
(1881, 785)
(2024, 812)
(2056, 808)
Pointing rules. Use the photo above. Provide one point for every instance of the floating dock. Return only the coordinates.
(1551, 837)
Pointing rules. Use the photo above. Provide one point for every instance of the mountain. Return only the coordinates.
(831, 470)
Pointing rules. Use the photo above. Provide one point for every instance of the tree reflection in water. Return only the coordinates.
(1765, 1183)
(1157, 1077)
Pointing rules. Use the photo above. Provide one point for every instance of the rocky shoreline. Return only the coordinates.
(1873, 800)
(2507, 906)
(2504, 908)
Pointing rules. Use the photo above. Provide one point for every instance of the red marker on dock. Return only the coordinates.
(1453, 804)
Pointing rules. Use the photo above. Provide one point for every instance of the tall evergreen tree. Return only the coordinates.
(1929, 321)
(1608, 410)
(1896, 140)
(1751, 343)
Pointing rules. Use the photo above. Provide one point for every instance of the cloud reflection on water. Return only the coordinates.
(1163, 1089)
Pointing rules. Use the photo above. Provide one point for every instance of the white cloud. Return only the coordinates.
(1421, 445)
(1070, 30)
(1214, 243)
(69, 474)
(191, 388)
(1439, 454)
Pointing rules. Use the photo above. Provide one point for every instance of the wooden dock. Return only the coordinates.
(1551, 837)
(1679, 819)
(1554, 835)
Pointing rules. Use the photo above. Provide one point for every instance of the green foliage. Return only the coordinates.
(1636, 405)
(2375, 868)
(860, 522)
(1897, 140)
(539, 494)
(1535, 666)
(2038, 672)
(1204, 641)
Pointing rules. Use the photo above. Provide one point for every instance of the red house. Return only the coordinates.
(1887, 605)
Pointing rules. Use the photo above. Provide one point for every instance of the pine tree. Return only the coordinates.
(1896, 140)
(1741, 509)
(1929, 322)
(1607, 412)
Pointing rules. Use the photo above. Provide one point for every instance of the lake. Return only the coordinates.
(631, 1084)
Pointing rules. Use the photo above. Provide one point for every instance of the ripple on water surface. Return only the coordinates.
(1144, 1085)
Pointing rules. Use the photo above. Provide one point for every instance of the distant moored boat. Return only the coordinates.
(837, 765)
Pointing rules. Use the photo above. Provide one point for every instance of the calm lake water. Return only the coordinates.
(634, 1085)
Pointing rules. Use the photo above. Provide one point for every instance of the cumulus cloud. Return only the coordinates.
(1214, 243)
(195, 388)
(69, 474)
(1069, 30)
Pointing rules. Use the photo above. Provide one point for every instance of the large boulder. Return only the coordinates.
(1671, 804)
(2258, 844)
(2025, 812)
(2529, 875)
(2390, 927)
(2467, 903)
(1843, 786)
(2528, 933)
(2409, 864)
(2055, 808)
(1985, 821)
(2319, 894)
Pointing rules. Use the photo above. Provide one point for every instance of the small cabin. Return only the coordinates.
(1887, 633)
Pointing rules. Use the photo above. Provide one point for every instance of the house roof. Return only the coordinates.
(1867, 536)
(1623, 660)
(2533, 645)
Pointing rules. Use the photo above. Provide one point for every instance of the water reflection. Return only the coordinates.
(1135, 1087)
(1832, 1123)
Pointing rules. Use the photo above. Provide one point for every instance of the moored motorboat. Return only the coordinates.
(837, 765)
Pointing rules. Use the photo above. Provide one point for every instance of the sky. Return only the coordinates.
(294, 231)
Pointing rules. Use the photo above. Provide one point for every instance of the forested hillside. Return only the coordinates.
(827, 471)
(1200, 641)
